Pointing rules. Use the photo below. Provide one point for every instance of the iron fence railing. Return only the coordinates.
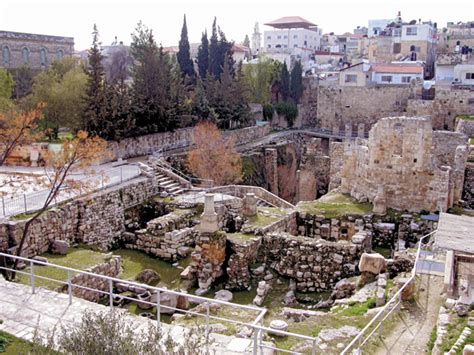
(14, 204)
(258, 329)
(393, 305)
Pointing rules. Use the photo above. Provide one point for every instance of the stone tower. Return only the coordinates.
(256, 40)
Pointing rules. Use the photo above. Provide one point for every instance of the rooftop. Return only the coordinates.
(291, 22)
(397, 68)
(455, 233)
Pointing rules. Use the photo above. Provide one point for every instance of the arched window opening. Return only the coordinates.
(25, 54)
(6, 55)
(43, 56)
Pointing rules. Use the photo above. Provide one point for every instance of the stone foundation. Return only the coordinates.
(243, 254)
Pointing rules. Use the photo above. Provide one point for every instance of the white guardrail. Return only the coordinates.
(256, 325)
(375, 324)
(11, 205)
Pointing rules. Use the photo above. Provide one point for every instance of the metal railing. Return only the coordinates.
(195, 182)
(111, 283)
(11, 205)
(375, 324)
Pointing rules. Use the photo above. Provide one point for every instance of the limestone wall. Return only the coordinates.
(243, 254)
(399, 166)
(336, 154)
(338, 106)
(468, 189)
(447, 104)
(466, 127)
(97, 219)
(315, 265)
(111, 268)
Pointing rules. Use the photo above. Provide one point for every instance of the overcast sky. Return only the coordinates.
(236, 18)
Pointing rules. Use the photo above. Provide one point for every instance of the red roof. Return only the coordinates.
(240, 48)
(397, 68)
(291, 22)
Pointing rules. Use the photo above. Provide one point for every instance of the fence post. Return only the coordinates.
(24, 200)
(313, 348)
(69, 286)
(158, 308)
(3, 206)
(32, 276)
(111, 293)
(121, 175)
(255, 341)
(207, 327)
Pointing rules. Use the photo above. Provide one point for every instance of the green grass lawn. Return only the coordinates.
(11, 345)
(77, 258)
(334, 205)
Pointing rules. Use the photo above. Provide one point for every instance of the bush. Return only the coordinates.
(288, 110)
(108, 333)
(268, 112)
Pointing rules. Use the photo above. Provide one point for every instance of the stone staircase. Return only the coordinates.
(263, 203)
(169, 185)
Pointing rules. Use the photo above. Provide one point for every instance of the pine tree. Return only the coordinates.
(119, 123)
(284, 82)
(246, 41)
(296, 82)
(184, 56)
(95, 93)
(214, 53)
(203, 56)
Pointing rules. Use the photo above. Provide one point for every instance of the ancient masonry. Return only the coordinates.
(405, 165)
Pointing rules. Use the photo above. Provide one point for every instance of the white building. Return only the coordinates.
(291, 32)
(419, 32)
(377, 26)
(396, 73)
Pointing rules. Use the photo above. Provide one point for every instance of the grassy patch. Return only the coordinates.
(457, 210)
(77, 258)
(357, 309)
(166, 200)
(334, 205)
(455, 328)
(466, 117)
(261, 220)
(11, 345)
(240, 237)
(431, 342)
(134, 262)
(385, 252)
(471, 141)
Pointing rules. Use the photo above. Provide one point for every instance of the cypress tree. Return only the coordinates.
(184, 56)
(203, 56)
(214, 53)
(95, 93)
(296, 82)
(284, 82)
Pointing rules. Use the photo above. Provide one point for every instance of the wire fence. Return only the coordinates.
(14, 204)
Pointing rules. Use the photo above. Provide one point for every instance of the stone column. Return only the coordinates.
(209, 216)
(380, 204)
(361, 130)
(271, 170)
(348, 130)
(249, 208)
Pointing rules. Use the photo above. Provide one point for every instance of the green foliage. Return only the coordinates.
(6, 90)
(268, 111)
(296, 82)
(184, 58)
(23, 78)
(220, 51)
(288, 110)
(432, 340)
(358, 309)
(203, 56)
(62, 88)
(259, 78)
(284, 82)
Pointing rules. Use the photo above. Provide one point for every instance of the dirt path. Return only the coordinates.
(411, 332)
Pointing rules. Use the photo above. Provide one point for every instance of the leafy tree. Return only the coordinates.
(23, 78)
(296, 82)
(259, 77)
(184, 56)
(62, 88)
(203, 56)
(119, 119)
(6, 90)
(284, 82)
(289, 110)
(17, 128)
(201, 108)
(95, 93)
(214, 156)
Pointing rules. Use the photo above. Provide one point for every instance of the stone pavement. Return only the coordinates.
(22, 312)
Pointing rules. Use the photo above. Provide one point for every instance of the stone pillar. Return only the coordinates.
(209, 216)
(249, 208)
(460, 159)
(361, 130)
(271, 170)
(348, 130)
(380, 204)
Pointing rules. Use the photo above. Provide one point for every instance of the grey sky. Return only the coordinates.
(236, 18)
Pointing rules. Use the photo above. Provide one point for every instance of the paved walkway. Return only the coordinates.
(22, 312)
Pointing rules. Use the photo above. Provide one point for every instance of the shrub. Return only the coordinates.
(288, 110)
(268, 110)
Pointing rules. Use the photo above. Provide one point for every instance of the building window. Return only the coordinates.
(43, 56)
(6, 55)
(412, 31)
(25, 54)
(269, 37)
(278, 37)
(295, 36)
(397, 48)
(406, 79)
(470, 76)
(59, 54)
(285, 37)
(386, 78)
(350, 78)
(269, 46)
(295, 45)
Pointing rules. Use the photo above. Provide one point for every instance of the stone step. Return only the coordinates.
(174, 189)
(169, 185)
